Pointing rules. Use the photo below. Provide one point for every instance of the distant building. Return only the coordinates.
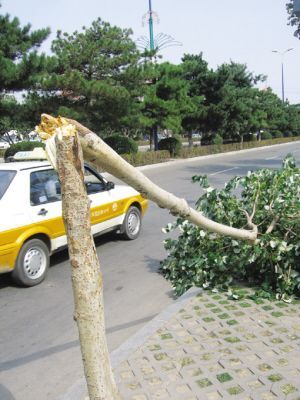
(297, 7)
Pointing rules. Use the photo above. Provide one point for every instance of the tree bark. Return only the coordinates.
(100, 154)
(190, 139)
(86, 275)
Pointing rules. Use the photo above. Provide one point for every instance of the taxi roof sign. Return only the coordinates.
(38, 153)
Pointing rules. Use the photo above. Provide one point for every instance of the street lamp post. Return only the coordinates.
(282, 53)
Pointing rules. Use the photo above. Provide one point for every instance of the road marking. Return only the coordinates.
(223, 170)
(279, 156)
(271, 158)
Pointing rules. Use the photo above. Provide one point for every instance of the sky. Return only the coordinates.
(244, 31)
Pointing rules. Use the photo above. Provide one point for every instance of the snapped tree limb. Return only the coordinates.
(99, 153)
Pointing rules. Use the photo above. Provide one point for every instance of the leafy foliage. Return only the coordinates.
(22, 146)
(293, 20)
(204, 259)
(97, 76)
(20, 66)
(172, 144)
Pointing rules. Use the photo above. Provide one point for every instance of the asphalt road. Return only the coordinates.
(39, 353)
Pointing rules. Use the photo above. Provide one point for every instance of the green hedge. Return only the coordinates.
(145, 158)
(172, 144)
(122, 144)
(2, 152)
(187, 152)
(22, 146)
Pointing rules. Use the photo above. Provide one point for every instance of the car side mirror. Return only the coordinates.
(110, 185)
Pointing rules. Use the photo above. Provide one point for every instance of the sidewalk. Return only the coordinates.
(205, 346)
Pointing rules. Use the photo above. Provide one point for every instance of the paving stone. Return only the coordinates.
(214, 348)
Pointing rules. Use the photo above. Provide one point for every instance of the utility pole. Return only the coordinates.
(282, 53)
(151, 26)
(154, 44)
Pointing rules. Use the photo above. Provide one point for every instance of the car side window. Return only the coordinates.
(93, 183)
(44, 187)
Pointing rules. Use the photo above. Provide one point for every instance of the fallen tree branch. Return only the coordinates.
(99, 153)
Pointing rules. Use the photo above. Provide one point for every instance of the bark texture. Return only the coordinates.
(99, 153)
(86, 275)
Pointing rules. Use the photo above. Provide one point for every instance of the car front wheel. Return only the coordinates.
(32, 263)
(132, 223)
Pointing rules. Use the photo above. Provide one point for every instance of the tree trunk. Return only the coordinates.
(190, 139)
(86, 275)
(155, 138)
(241, 135)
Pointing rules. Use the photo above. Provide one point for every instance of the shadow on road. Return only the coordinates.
(11, 364)
(5, 394)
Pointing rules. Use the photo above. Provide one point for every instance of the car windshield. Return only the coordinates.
(5, 179)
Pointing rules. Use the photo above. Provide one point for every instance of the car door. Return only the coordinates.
(45, 205)
(103, 201)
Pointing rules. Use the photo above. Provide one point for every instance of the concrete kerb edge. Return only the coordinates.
(184, 160)
(78, 391)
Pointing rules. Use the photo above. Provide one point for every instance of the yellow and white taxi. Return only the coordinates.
(31, 225)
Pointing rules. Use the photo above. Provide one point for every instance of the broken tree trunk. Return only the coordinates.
(86, 275)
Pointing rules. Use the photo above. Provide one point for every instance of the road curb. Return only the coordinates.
(199, 158)
(79, 390)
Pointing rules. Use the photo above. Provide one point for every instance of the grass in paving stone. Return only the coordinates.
(258, 301)
(206, 356)
(204, 382)
(224, 332)
(244, 304)
(232, 339)
(241, 292)
(264, 367)
(165, 336)
(242, 347)
(282, 330)
(276, 340)
(216, 297)
(239, 313)
(208, 319)
(210, 305)
(223, 316)
(195, 372)
(216, 310)
(287, 348)
(186, 361)
(282, 362)
(225, 377)
(281, 305)
(231, 307)
(223, 302)
(271, 323)
(277, 314)
(234, 390)
(154, 347)
(288, 389)
(161, 356)
(267, 308)
(275, 377)
(232, 322)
